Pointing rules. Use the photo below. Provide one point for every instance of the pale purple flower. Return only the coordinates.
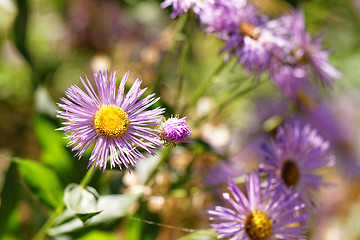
(336, 120)
(290, 80)
(175, 130)
(117, 123)
(309, 51)
(293, 157)
(181, 6)
(259, 214)
(223, 17)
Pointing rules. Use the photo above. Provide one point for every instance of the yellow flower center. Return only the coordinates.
(290, 173)
(258, 226)
(111, 121)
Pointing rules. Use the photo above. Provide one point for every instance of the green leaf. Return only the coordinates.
(113, 208)
(82, 201)
(53, 145)
(42, 181)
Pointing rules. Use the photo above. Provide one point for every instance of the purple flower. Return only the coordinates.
(223, 17)
(293, 157)
(117, 123)
(336, 120)
(250, 37)
(290, 80)
(181, 6)
(175, 130)
(309, 51)
(259, 214)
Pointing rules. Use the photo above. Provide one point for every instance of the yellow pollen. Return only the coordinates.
(290, 173)
(258, 226)
(111, 121)
(249, 30)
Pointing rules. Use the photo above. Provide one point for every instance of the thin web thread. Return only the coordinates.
(189, 230)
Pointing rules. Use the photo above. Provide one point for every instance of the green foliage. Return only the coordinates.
(82, 201)
(54, 153)
(98, 235)
(42, 181)
(111, 208)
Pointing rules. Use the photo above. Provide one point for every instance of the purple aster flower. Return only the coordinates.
(259, 214)
(249, 36)
(308, 50)
(223, 17)
(175, 130)
(290, 80)
(117, 123)
(293, 157)
(336, 121)
(181, 6)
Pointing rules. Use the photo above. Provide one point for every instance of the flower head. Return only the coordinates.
(294, 155)
(264, 214)
(175, 130)
(116, 122)
(181, 6)
(309, 51)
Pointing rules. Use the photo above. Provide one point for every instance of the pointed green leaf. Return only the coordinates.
(43, 182)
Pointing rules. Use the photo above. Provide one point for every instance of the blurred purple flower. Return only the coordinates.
(293, 156)
(309, 51)
(181, 6)
(337, 121)
(175, 130)
(115, 121)
(290, 80)
(260, 213)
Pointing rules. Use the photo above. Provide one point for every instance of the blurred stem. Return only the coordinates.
(223, 104)
(42, 233)
(183, 57)
(48, 224)
(202, 88)
(164, 156)
(180, 26)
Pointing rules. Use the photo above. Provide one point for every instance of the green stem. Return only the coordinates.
(183, 57)
(203, 87)
(42, 233)
(88, 176)
(227, 101)
(48, 224)
(180, 26)
(164, 156)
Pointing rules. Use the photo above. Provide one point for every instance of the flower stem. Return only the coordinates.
(222, 105)
(48, 224)
(88, 176)
(164, 156)
(180, 26)
(203, 87)
(183, 57)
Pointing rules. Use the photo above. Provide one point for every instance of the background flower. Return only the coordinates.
(258, 213)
